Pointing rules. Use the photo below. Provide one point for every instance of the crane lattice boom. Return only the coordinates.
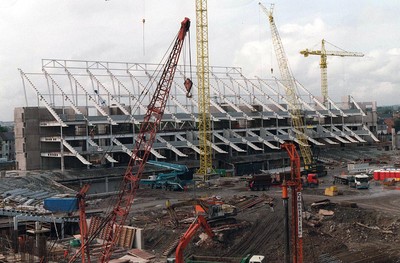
(143, 145)
(290, 90)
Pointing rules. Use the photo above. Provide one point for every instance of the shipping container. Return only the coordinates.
(61, 204)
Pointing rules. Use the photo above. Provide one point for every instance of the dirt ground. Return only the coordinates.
(364, 227)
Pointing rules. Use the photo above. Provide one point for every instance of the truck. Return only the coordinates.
(310, 180)
(358, 181)
(345, 179)
(361, 181)
(259, 182)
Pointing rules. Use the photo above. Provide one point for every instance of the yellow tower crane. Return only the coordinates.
(323, 64)
(203, 77)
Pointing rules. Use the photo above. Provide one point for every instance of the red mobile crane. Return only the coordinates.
(295, 185)
(143, 144)
(84, 249)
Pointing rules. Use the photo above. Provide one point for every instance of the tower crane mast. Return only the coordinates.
(142, 147)
(324, 65)
(203, 76)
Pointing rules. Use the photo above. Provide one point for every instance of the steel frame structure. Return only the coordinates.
(83, 95)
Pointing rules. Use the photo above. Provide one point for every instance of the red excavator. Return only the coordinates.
(200, 221)
(210, 208)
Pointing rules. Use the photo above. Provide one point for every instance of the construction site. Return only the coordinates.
(173, 162)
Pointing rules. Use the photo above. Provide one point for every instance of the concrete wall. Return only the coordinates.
(27, 138)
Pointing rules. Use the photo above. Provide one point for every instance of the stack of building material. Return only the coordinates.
(331, 191)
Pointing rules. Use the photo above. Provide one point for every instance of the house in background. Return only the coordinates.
(7, 142)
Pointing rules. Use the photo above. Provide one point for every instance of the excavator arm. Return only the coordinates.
(200, 221)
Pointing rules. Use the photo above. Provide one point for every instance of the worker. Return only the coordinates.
(188, 85)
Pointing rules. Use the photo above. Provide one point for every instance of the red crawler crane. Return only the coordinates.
(143, 144)
(84, 250)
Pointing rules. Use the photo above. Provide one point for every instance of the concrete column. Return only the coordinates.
(15, 221)
(139, 240)
(62, 150)
(62, 230)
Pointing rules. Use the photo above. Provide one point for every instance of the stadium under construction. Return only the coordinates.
(86, 113)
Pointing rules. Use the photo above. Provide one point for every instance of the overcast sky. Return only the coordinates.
(239, 35)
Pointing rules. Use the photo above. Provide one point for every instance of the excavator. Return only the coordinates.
(202, 221)
(199, 221)
(213, 210)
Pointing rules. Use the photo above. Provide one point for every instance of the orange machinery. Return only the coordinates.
(200, 221)
(295, 184)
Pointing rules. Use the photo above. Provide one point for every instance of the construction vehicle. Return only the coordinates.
(358, 181)
(115, 220)
(199, 221)
(324, 65)
(310, 180)
(178, 179)
(264, 181)
(259, 182)
(207, 259)
(345, 179)
(361, 181)
(213, 210)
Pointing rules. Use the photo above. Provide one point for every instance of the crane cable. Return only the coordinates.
(142, 95)
(143, 22)
(188, 81)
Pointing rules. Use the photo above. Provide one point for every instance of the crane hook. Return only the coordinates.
(188, 85)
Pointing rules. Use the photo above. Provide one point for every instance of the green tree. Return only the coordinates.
(3, 129)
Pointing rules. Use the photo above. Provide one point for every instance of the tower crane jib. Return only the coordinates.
(324, 65)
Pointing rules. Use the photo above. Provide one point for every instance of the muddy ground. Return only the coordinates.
(364, 227)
